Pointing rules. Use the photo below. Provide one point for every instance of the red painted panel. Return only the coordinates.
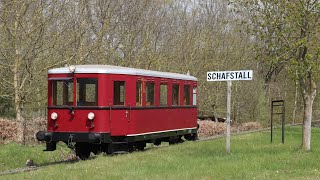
(50, 93)
(123, 122)
(157, 92)
(120, 118)
(78, 122)
(103, 90)
(152, 120)
(119, 122)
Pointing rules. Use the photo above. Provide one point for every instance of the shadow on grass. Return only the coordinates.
(38, 166)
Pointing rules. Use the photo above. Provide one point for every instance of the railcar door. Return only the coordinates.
(119, 111)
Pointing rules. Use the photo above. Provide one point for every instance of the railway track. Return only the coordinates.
(36, 167)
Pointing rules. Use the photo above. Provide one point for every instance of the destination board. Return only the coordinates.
(243, 75)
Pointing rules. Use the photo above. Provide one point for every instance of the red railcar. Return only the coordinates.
(102, 108)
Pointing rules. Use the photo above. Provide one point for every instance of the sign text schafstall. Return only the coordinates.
(229, 75)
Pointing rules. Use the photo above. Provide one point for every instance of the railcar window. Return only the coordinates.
(186, 95)
(150, 93)
(87, 92)
(194, 101)
(62, 92)
(139, 93)
(175, 94)
(163, 94)
(70, 93)
(119, 92)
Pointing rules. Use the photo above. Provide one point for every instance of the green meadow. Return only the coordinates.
(252, 157)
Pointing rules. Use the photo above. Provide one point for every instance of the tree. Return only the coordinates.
(287, 35)
(28, 41)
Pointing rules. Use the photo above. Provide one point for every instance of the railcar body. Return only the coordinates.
(102, 108)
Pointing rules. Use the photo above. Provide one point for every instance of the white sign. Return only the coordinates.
(229, 75)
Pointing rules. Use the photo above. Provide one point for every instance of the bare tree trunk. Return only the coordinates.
(306, 128)
(18, 107)
(17, 102)
(295, 103)
(16, 85)
(309, 97)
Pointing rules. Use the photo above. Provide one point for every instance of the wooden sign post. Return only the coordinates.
(229, 76)
(229, 83)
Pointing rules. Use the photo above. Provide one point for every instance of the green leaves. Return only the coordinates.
(283, 32)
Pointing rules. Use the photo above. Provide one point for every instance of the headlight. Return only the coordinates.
(72, 68)
(54, 116)
(91, 116)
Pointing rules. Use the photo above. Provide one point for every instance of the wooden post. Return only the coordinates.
(228, 115)
(282, 121)
(271, 125)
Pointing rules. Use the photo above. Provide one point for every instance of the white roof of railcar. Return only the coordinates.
(108, 69)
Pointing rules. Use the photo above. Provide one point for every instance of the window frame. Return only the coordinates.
(194, 95)
(139, 104)
(83, 91)
(65, 91)
(153, 96)
(124, 93)
(178, 95)
(167, 94)
(186, 103)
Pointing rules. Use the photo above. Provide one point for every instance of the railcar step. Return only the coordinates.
(120, 152)
(119, 143)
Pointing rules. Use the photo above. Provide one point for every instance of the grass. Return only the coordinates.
(252, 157)
(15, 155)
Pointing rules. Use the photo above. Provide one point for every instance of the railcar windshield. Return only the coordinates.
(87, 92)
(63, 92)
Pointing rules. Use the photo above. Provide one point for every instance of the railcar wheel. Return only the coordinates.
(175, 140)
(140, 146)
(83, 150)
(130, 147)
(191, 137)
(157, 142)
